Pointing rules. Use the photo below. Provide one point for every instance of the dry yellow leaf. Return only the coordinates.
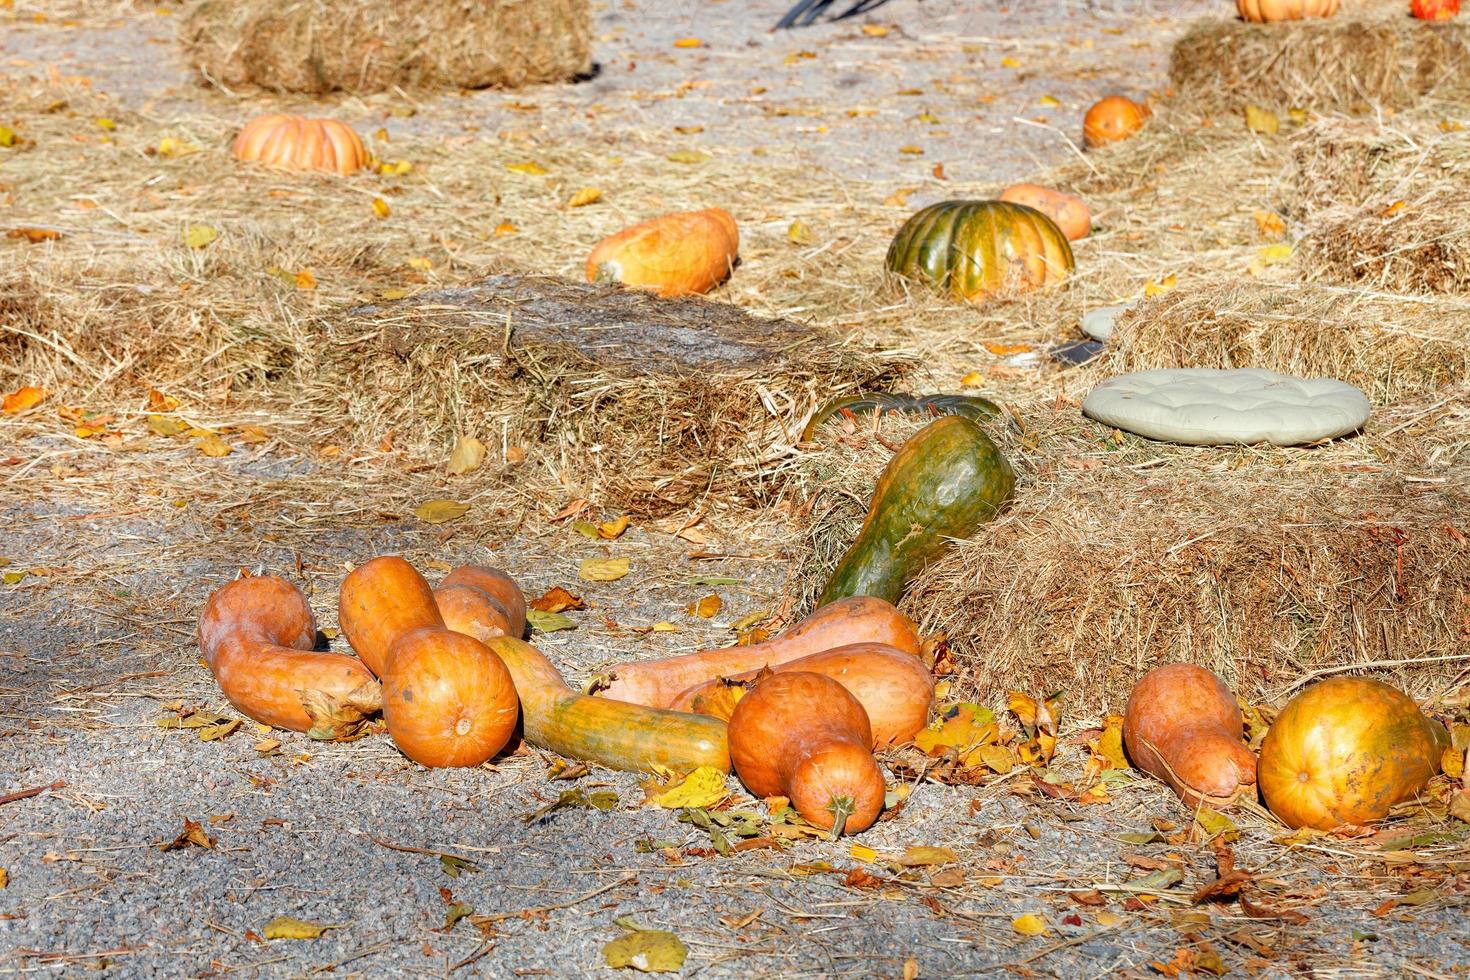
(1270, 226)
(23, 398)
(664, 627)
(703, 788)
(467, 455)
(613, 529)
(921, 856)
(212, 445)
(798, 232)
(529, 167)
(420, 263)
(305, 279)
(1029, 925)
(688, 42)
(916, 151)
(1110, 743)
(859, 852)
(505, 228)
(1009, 63)
(997, 758)
(4, 878)
(1452, 761)
(1050, 101)
(1259, 120)
(874, 30)
(198, 236)
(1165, 284)
(584, 197)
(706, 608)
(285, 927)
(381, 208)
(603, 569)
(689, 156)
(1108, 919)
(440, 510)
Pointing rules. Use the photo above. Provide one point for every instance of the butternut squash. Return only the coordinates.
(380, 601)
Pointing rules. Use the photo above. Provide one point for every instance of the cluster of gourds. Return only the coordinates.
(799, 715)
(1342, 752)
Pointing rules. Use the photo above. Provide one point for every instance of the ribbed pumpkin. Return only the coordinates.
(297, 143)
(977, 249)
(1111, 119)
(674, 254)
(1271, 11)
(1344, 751)
(1069, 211)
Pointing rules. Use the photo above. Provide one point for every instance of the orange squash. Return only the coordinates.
(285, 142)
(1435, 9)
(675, 254)
(1344, 751)
(553, 716)
(804, 737)
(1184, 726)
(1111, 119)
(500, 587)
(895, 689)
(380, 601)
(1068, 211)
(1272, 11)
(257, 635)
(859, 619)
(447, 700)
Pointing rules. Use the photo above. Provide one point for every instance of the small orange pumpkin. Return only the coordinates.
(1435, 9)
(296, 143)
(1068, 211)
(1271, 11)
(1344, 751)
(447, 700)
(1114, 118)
(675, 254)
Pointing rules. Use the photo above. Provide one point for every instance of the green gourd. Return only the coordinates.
(976, 249)
(970, 406)
(946, 481)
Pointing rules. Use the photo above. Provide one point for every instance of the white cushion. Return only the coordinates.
(1098, 323)
(1208, 407)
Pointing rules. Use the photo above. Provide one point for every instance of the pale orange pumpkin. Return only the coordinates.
(1114, 118)
(675, 254)
(1271, 11)
(286, 142)
(1068, 211)
(1344, 751)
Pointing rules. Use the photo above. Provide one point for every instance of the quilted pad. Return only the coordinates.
(1098, 323)
(1209, 407)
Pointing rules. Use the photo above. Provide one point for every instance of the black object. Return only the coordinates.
(1077, 351)
(806, 12)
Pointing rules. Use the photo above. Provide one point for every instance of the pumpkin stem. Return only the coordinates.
(841, 807)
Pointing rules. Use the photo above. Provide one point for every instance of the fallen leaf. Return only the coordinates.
(466, 456)
(1213, 823)
(454, 913)
(1029, 925)
(285, 927)
(440, 510)
(874, 30)
(193, 836)
(1165, 284)
(688, 42)
(23, 398)
(1009, 63)
(1270, 226)
(381, 208)
(798, 233)
(4, 878)
(557, 599)
(703, 788)
(529, 167)
(198, 236)
(1259, 120)
(213, 446)
(603, 569)
(706, 608)
(549, 622)
(689, 156)
(645, 950)
(920, 856)
(861, 852)
(613, 529)
(505, 228)
(35, 235)
(584, 197)
(1110, 743)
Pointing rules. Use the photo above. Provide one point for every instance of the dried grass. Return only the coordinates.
(1352, 62)
(320, 46)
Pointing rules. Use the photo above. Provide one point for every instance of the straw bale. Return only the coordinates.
(317, 46)
(639, 402)
(1350, 62)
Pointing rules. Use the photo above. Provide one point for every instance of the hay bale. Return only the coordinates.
(1113, 557)
(637, 402)
(1366, 340)
(1423, 248)
(319, 46)
(1351, 63)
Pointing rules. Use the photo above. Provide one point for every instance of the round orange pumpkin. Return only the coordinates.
(296, 143)
(1068, 211)
(1111, 119)
(447, 700)
(1271, 11)
(675, 254)
(1344, 751)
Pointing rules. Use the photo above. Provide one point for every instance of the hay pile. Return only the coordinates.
(634, 401)
(319, 46)
(1350, 62)
(1358, 337)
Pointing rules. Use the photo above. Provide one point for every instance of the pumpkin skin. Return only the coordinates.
(1434, 9)
(975, 250)
(1111, 119)
(860, 619)
(285, 142)
(1068, 211)
(674, 254)
(256, 634)
(615, 734)
(943, 483)
(447, 700)
(1344, 751)
(1182, 725)
(500, 587)
(804, 737)
(380, 601)
(1272, 11)
(895, 689)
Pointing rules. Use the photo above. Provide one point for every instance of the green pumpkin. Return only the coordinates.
(976, 249)
(942, 484)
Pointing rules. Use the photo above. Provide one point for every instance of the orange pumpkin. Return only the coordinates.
(1344, 751)
(1068, 211)
(447, 700)
(1271, 11)
(1435, 9)
(381, 600)
(675, 254)
(1111, 119)
(286, 142)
